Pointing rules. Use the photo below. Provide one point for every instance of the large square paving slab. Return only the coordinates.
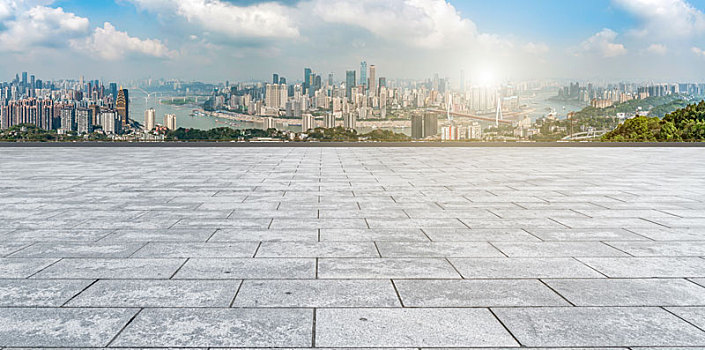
(311, 247)
(219, 328)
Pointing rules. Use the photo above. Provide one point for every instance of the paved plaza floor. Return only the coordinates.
(352, 247)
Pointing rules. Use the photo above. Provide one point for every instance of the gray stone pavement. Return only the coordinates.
(352, 247)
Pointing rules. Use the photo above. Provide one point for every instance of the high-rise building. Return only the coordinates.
(330, 121)
(349, 83)
(269, 123)
(373, 80)
(424, 125)
(308, 122)
(113, 90)
(149, 119)
(67, 119)
(430, 124)
(350, 120)
(111, 122)
(275, 78)
(417, 126)
(382, 82)
(330, 79)
(307, 79)
(170, 121)
(363, 73)
(122, 105)
(24, 78)
(84, 120)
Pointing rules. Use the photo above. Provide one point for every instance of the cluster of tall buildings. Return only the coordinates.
(605, 96)
(65, 106)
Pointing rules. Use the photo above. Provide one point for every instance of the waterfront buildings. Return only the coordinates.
(170, 121)
(308, 122)
(424, 125)
(150, 119)
(122, 104)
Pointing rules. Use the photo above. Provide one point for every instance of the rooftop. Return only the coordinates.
(352, 247)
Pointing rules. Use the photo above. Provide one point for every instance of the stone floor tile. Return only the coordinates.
(479, 235)
(369, 235)
(556, 249)
(437, 249)
(55, 327)
(167, 235)
(476, 293)
(385, 268)
(111, 268)
(253, 268)
(22, 267)
(157, 293)
(78, 250)
(23, 292)
(598, 327)
(523, 268)
(317, 249)
(585, 234)
(694, 315)
(629, 292)
(317, 293)
(197, 250)
(683, 248)
(657, 267)
(9, 248)
(294, 235)
(219, 328)
(409, 327)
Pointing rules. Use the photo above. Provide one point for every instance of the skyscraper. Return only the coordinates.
(308, 122)
(113, 90)
(84, 120)
(170, 121)
(424, 125)
(149, 119)
(307, 79)
(373, 80)
(363, 73)
(349, 83)
(275, 78)
(122, 104)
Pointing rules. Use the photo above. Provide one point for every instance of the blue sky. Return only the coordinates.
(642, 40)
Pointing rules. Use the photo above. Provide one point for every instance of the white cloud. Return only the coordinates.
(421, 23)
(263, 20)
(665, 18)
(111, 44)
(602, 44)
(658, 49)
(535, 48)
(698, 52)
(38, 26)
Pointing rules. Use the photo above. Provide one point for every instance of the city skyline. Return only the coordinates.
(246, 40)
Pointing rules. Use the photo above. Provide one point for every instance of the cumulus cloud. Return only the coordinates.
(38, 26)
(658, 49)
(262, 20)
(665, 17)
(602, 44)
(421, 23)
(111, 44)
